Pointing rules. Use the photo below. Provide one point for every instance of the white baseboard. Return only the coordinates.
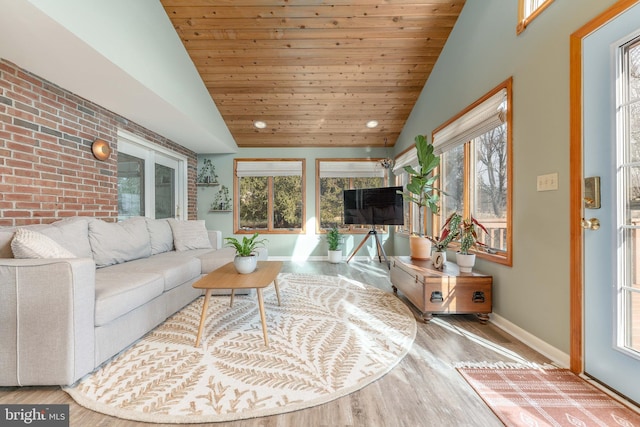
(558, 357)
(315, 258)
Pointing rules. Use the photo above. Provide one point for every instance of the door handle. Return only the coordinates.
(590, 224)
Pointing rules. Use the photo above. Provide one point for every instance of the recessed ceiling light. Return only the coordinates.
(372, 123)
(260, 124)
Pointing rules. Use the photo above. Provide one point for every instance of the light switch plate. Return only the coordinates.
(548, 182)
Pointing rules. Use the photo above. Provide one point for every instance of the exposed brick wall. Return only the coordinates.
(47, 170)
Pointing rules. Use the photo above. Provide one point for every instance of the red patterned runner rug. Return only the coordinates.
(543, 396)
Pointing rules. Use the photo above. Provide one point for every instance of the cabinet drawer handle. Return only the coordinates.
(436, 296)
(478, 296)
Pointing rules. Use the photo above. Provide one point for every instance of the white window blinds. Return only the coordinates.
(350, 169)
(487, 115)
(408, 158)
(269, 168)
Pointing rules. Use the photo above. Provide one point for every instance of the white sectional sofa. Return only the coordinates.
(76, 292)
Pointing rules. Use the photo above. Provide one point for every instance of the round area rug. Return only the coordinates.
(331, 336)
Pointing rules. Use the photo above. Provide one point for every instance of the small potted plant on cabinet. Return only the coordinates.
(450, 232)
(421, 190)
(334, 239)
(468, 240)
(246, 259)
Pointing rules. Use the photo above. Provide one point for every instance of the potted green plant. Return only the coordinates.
(334, 239)
(468, 240)
(421, 190)
(449, 233)
(246, 259)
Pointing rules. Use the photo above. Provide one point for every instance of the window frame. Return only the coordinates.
(524, 21)
(352, 228)
(506, 257)
(270, 198)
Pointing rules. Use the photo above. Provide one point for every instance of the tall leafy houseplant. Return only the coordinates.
(422, 191)
(246, 259)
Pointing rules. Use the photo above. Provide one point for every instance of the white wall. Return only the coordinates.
(482, 51)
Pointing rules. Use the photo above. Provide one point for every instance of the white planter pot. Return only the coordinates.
(465, 262)
(335, 257)
(245, 264)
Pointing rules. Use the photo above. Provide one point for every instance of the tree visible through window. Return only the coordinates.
(269, 195)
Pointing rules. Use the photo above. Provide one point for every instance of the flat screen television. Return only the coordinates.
(373, 206)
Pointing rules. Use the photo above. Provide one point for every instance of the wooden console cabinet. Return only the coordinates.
(445, 291)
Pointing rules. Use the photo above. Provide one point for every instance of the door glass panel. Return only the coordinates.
(634, 130)
(130, 186)
(633, 320)
(629, 203)
(165, 191)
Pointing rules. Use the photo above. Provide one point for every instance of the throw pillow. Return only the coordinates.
(190, 235)
(31, 244)
(161, 235)
(117, 242)
(72, 234)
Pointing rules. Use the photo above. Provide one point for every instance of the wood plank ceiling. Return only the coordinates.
(314, 71)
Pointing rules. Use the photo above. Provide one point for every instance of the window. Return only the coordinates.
(528, 10)
(407, 158)
(336, 175)
(475, 169)
(151, 179)
(269, 195)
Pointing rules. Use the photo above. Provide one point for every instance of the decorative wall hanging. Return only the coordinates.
(207, 174)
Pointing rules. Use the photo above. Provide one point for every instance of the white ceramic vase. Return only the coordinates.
(245, 264)
(465, 262)
(335, 257)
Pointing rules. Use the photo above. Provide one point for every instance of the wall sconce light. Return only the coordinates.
(100, 149)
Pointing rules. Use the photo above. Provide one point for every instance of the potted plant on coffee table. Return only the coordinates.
(468, 240)
(422, 191)
(449, 233)
(334, 238)
(246, 259)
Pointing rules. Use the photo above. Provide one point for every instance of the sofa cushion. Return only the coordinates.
(160, 235)
(117, 242)
(72, 234)
(212, 260)
(175, 268)
(189, 235)
(31, 244)
(118, 293)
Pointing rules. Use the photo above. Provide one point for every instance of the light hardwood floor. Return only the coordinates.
(424, 389)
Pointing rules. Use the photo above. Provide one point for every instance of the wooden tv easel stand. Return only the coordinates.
(446, 291)
(381, 253)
